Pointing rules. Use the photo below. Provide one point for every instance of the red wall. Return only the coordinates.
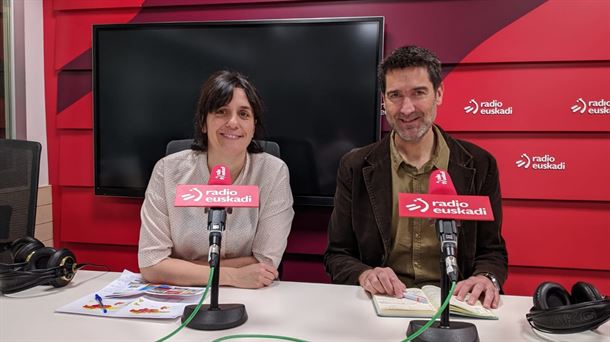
(536, 57)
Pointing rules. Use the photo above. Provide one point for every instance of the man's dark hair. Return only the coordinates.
(216, 92)
(411, 56)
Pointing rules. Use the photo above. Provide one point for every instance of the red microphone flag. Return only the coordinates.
(443, 202)
(218, 193)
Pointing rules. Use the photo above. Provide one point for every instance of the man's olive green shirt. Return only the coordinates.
(415, 252)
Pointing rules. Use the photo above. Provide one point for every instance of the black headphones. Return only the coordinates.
(34, 264)
(558, 312)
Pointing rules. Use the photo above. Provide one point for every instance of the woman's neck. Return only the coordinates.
(235, 163)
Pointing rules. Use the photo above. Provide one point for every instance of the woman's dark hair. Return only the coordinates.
(216, 92)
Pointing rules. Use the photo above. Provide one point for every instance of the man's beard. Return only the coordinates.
(407, 135)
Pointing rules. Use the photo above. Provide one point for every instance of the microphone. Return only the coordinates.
(219, 196)
(220, 175)
(440, 184)
(445, 205)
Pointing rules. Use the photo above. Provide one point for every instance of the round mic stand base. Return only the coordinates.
(456, 331)
(225, 316)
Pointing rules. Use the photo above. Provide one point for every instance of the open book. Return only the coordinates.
(425, 302)
(130, 296)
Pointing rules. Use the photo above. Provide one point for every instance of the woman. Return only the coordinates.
(174, 240)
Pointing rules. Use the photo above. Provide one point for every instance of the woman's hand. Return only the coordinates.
(252, 276)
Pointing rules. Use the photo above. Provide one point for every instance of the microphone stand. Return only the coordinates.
(444, 330)
(215, 316)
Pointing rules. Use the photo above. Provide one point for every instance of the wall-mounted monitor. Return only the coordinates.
(317, 78)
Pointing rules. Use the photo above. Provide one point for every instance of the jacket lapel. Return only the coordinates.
(460, 166)
(378, 181)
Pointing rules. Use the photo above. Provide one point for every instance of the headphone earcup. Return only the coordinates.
(24, 251)
(39, 258)
(66, 261)
(583, 292)
(550, 295)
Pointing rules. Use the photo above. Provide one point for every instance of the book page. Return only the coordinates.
(458, 307)
(413, 304)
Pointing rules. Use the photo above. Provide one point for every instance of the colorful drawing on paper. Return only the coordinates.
(148, 307)
(92, 305)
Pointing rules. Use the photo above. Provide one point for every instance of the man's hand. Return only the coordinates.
(477, 286)
(252, 276)
(382, 280)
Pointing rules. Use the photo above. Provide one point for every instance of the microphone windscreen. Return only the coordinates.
(220, 175)
(440, 183)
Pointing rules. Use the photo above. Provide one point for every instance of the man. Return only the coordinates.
(368, 243)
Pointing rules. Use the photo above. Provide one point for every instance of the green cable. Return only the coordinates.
(188, 320)
(433, 319)
(287, 338)
(276, 337)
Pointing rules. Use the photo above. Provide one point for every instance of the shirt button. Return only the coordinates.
(418, 235)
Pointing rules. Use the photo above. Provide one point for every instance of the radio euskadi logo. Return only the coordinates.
(445, 207)
(493, 107)
(593, 107)
(537, 162)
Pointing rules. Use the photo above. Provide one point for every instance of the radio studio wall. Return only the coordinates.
(526, 80)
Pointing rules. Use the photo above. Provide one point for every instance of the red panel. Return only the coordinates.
(523, 281)
(74, 30)
(295, 268)
(407, 22)
(557, 234)
(79, 115)
(117, 258)
(537, 98)
(584, 157)
(76, 158)
(308, 234)
(559, 30)
(160, 3)
(307, 242)
(96, 219)
(62, 5)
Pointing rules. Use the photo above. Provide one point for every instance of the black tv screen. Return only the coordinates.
(317, 78)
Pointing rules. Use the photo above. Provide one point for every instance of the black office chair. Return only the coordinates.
(19, 170)
(180, 145)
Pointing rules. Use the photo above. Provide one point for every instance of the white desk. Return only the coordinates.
(313, 312)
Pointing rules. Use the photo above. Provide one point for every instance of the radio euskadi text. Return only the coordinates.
(455, 207)
(547, 162)
(225, 196)
(494, 108)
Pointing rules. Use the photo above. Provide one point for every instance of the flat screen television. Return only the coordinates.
(317, 78)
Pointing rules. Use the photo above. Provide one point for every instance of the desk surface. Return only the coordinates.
(313, 312)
